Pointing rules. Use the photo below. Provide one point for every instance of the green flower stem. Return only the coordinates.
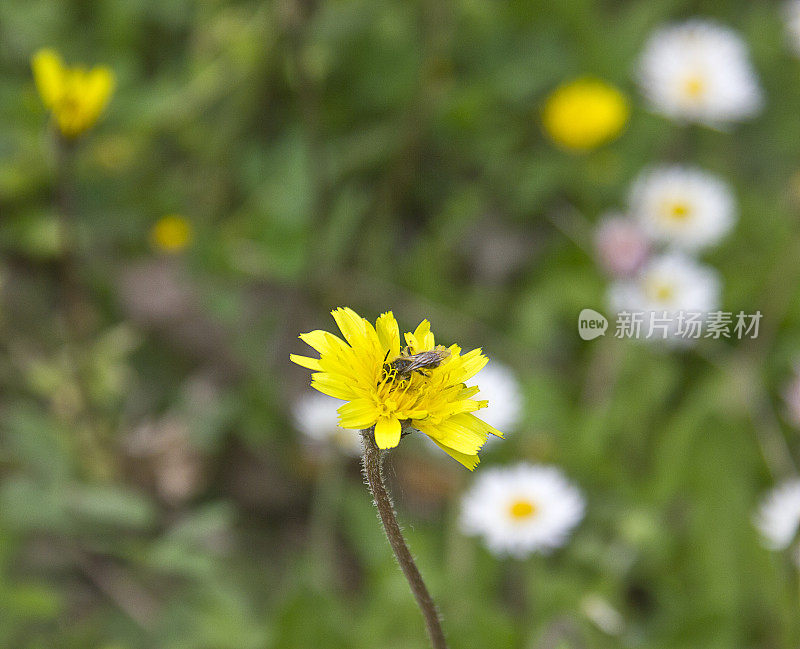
(373, 472)
(73, 299)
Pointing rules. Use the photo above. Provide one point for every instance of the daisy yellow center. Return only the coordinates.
(522, 510)
(694, 87)
(661, 291)
(677, 211)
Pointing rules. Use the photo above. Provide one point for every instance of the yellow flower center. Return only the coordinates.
(677, 211)
(69, 103)
(694, 87)
(386, 408)
(522, 509)
(661, 291)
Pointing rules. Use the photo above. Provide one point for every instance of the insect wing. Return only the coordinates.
(425, 359)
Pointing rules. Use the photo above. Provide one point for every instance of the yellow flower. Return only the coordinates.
(585, 113)
(435, 401)
(171, 233)
(75, 96)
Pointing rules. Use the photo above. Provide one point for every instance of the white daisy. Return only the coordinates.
(792, 13)
(778, 516)
(315, 416)
(672, 293)
(699, 71)
(620, 244)
(521, 509)
(682, 206)
(500, 387)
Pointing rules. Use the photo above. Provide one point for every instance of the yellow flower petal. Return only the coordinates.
(48, 74)
(460, 432)
(387, 432)
(469, 461)
(388, 334)
(305, 361)
(350, 324)
(463, 368)
(329, 385)
(422, 339)
(358, 414)
(322, 341)
(99, 86)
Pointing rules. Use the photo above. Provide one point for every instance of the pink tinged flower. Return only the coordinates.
(621, 246)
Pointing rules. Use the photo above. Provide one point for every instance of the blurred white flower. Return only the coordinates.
(682, 206)
(500, 387)
(603, 615)
(671, 285)
(620, 245)
(778, 517)
(699, 71)
(792, 13)
(315, 416)
(521, 509)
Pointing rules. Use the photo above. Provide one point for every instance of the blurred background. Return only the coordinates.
(164, 481)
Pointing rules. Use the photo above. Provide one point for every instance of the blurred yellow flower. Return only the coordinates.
(74, 95)
(585, 113)
(370, 373)
(171, 233)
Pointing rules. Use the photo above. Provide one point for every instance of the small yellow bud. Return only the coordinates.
(585, 113)
(171, 233)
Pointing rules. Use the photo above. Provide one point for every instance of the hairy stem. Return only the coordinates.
(373, 472)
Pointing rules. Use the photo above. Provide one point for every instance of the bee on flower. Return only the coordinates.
(699, 71)
(585, 113)
(75, 96)
(522, 509)
(682, 207)
(778, 517)
(395, 390)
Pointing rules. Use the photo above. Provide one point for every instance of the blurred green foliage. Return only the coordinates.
(153, 491)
